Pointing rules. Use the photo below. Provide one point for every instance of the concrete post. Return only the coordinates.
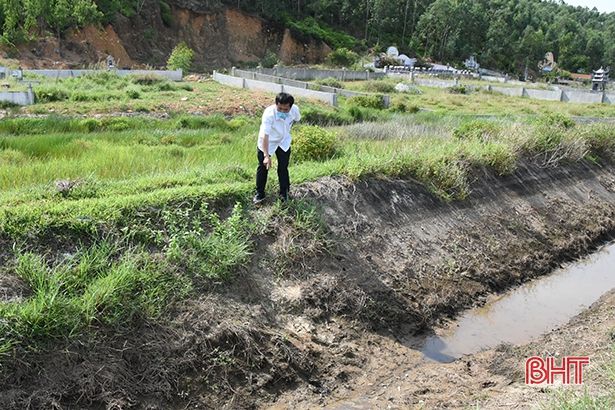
(334, 100)
(232, 71)
(386, 100)
(603, 97)
(243, 83)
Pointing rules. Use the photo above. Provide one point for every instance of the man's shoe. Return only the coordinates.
(257, 199)
(284, 198)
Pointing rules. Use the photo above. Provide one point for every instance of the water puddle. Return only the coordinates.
(529, 311)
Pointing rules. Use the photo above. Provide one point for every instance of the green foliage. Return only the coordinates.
(403, 107)
(342, 57)
(379, 86)
(313, 143)
(325, 117)
(310, 27)
(181, 57)
(330, 82)
(367, 101)
(458, 89)
(601, 139)
(99, 285)
(165, 13)
(207, 253)
(269, 60)
(555, 119)
(477, 130)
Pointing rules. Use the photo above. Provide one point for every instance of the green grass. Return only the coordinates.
(479, 102)
(144, 189)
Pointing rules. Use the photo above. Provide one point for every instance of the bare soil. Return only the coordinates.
(326, 321)
(220, 36)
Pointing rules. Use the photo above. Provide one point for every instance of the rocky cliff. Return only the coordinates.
(220, 36)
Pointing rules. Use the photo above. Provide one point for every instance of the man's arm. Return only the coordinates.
(267, 160)
(267, 125)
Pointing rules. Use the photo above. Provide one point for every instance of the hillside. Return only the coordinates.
(220, 37)
(504, 34)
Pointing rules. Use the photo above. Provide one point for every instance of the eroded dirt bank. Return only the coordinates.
(308, 325)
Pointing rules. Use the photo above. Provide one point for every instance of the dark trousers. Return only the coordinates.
(261, 172)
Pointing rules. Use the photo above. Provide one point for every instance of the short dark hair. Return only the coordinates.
(284, 98)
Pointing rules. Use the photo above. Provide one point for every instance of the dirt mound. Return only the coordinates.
(313, 306)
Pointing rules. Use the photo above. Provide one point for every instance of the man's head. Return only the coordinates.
(283, 102)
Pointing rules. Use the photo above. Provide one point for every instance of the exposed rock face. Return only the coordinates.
(220, 37)
(293, 51)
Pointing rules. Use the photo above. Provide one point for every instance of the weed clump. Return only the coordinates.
(477, 130)
(330, 82)
(379, 86)
(367, 101)
(313, 143)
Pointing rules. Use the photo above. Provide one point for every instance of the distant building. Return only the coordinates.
(600, 79)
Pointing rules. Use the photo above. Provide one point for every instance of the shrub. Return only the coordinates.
(313, 143)
(269, 60)
(477, 129)
(147, 79)
(458, 89)
(90, 124)
(379, 86)
(401, 106)
(361, 114)
(330, 82)
(367, 101)
(133, 93)
(181, 57)
(45, 95)
(319, 116)
(342, 57)
(116, 124)
(555, 119)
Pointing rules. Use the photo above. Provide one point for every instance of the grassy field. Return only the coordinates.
(478, 102)
(136, 196)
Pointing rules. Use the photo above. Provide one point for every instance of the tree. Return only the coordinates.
(181, 58)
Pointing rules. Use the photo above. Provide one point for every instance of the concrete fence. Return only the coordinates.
(237, 82)
(509, 91)
(435, 83)
(301, 85)
(309, 74)
(18, 97)
(175, 75)
(543, 94)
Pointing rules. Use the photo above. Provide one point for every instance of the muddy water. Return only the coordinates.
(529, 311)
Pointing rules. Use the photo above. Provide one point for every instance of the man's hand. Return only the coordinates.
(267, 161)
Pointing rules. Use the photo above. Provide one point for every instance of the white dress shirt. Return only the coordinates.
(277, 128)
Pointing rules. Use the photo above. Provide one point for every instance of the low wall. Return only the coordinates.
(509, 91)
(542, 94)
(434, 83)
(175, 75)
(311, 74)
(237, 82)
(582, 97)
(609, 98)
(312, 87)
(17, 97)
